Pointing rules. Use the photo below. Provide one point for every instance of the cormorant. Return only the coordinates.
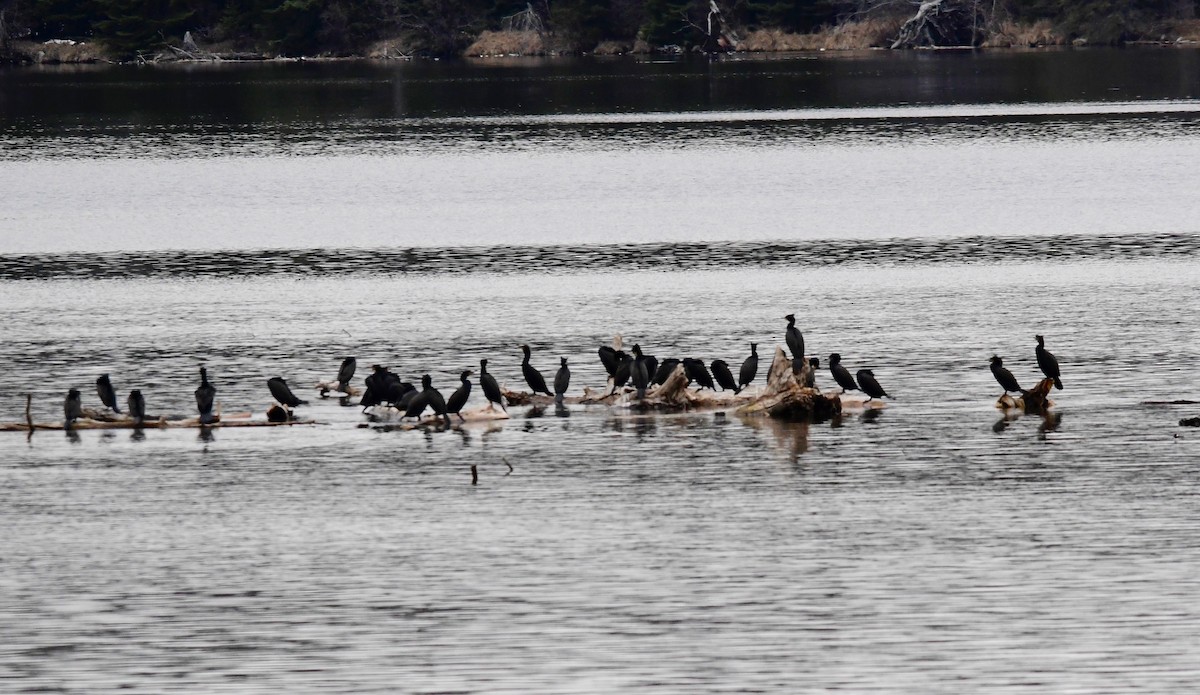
(622, 374)
(1007, 381)
(866, 379)
(136, 406)
(429, 396)
(651, 363)
(205, 394)
(395, 390)
(1047, 362)
(108, 395)
(697, 372)
(749, 368)
(724, 377)
(638, 372)
(281, 393)
(810, 377)
(562, 381)
(611, 357)
(795, 341)
(537, 383)
(841, 375)
(665, 368)
(375, 387)
(491, 390)
(459, 398)
(72, 408)
(346, 373)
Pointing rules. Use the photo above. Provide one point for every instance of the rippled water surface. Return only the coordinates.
(917, 213)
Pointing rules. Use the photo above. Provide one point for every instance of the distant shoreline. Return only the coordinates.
(868, 34)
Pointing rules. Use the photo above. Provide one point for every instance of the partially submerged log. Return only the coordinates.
(334, 388)
(125, 423)
(394, 418)
(784, 397)
(1035, 401)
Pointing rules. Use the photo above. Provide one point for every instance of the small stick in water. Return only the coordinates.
(510, 468)
(28, 417)
(474, 475)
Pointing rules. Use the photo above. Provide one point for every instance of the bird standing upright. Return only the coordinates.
(1047, 362)
(810, 376)
(459, 398)
(724, 377)
(72, 408)
(136, 406)
(537, 383)
(346, 373)
(491, 390)
(749, 368)
(108, 395)
(795, 340)
(562, 381)
(638, 373)
(205, 394)
(871, 387)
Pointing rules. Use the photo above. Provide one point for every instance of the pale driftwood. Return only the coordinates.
(324, 388)
(1035, 401)
(390, 416)
(784, 397)
(231, 420)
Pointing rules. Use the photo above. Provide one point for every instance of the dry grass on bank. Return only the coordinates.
(1014, 35)
(875, 32)
(507, 43)
(36, 52)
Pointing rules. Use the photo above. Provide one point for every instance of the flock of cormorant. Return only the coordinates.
(638, 369)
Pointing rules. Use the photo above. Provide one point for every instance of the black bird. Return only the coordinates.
(537, 383)
(1006, 379)
(665, 368)
(136, 406)
(749, 368)
(459, 398)
(402, 403)
(638, 373)
(428, 397)
(810, 377)
(72, 408)
(795, 341)
(108, 395)
(697, 372)
(562, 381)
(394, 389)
(724, 377)
(866, 379)
(346, 373)
(281, 393)
(205, 395)
(491, 390)
(621, 376)
(840, 374)
(611, 357)
(1047, 362)
(374, 394)
(651, 363)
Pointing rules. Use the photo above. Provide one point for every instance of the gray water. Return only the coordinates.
(917, 214)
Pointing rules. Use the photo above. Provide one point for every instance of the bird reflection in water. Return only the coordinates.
(561, 410)
(1050, 423)
(1005, 420)
(73, 437)
(206, 435)
(790, 436)
(137, 435)
(871, 415)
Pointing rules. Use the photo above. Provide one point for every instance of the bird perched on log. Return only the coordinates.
(749, 368)
(795, 340)
(562, 381)
(537, 383)
(1047, 362)
(840, 374)
(1005, 378)
(282, 394)
(724, 377)
(638, 372)
(346, 373)
(376, 385)
(72, 408)
(869, 385)
(459, 398)
(136, 404)
(206, 393)
(491, 390)
(428, 397)
(697, 372)
(664, 370)
(621, 375)
(810, 376)
(611, 357)
(108, 395)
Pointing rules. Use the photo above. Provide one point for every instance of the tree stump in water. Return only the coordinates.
(1035, 401)
(784, 397)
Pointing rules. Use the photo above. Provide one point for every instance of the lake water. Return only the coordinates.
(917, 212)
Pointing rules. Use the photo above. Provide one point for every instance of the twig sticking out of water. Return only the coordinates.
(474, 475)
(28, 417)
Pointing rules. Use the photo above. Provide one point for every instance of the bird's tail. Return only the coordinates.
(1058, 383)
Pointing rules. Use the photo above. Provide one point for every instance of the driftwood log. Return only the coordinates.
(388, 416)
(784, 397)
(159, 423)
(943, 23)
(1035, 401)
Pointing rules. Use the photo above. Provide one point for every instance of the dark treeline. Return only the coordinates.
(446, 27)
